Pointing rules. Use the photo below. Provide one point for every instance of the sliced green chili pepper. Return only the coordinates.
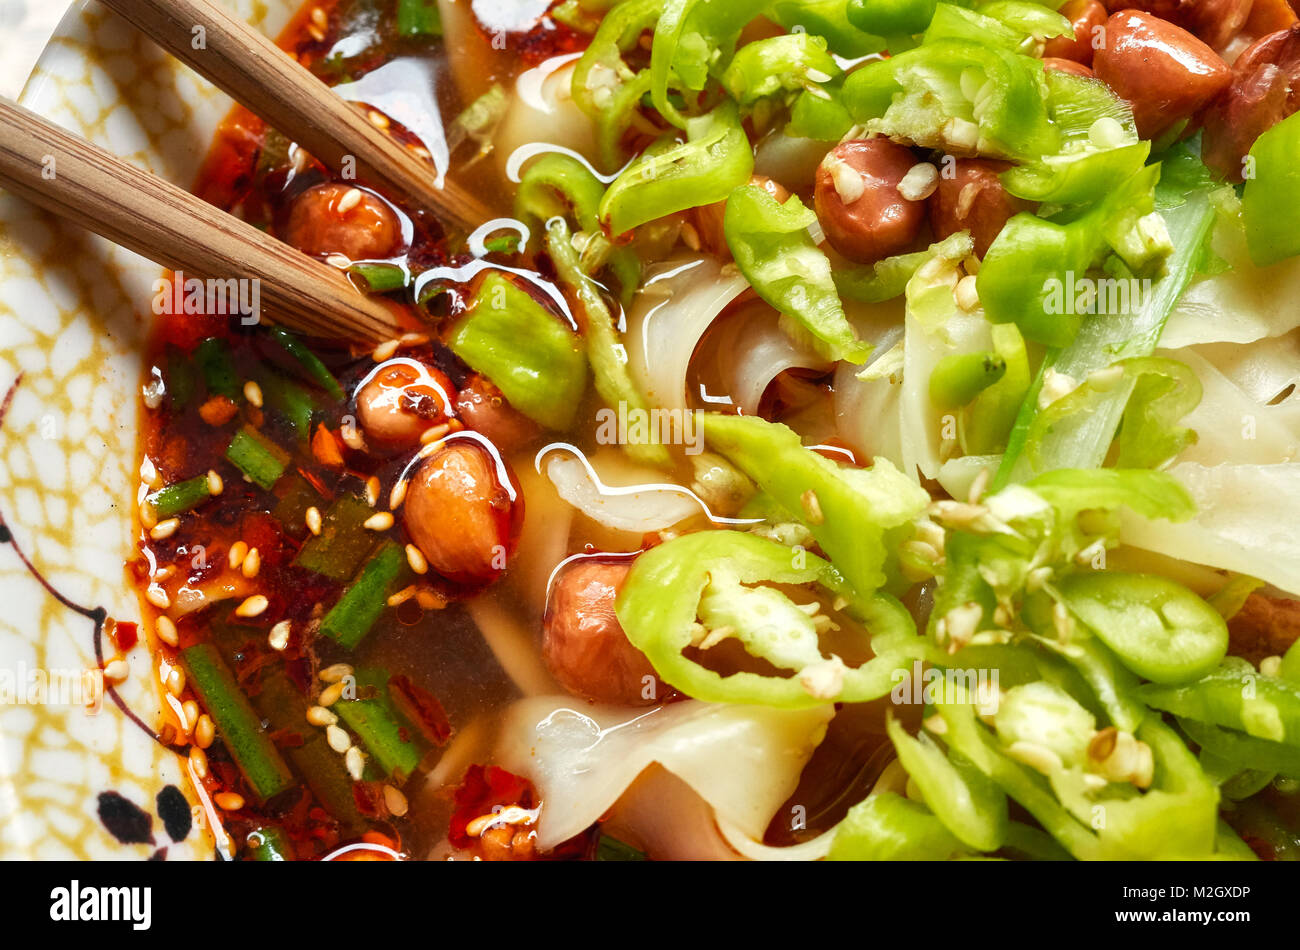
(773, 249)
(715, 159)
(692, 37)
(351, 618)
(828, 19)
(888, 827)
(778, 64)
(891, 17)
(1158, 628)
(710, 574)
(238, 725)
(605, 351)
(994, 411)
(888, 278)
(257, 457)
(848, 510)
(171, 500)
(1290, 669)
(956, 380)
(957, 96)
(526, 351)
(1238, 697)
(1243, 751)
(1274, 185)
(819, 115)
(969, 805)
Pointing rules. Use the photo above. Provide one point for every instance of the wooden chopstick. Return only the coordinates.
(82, 182)
(255, 72)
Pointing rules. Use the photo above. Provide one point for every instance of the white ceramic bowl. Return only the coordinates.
(74, 310)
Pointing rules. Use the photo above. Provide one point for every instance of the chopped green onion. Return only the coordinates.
(317, 370)
(290, 402)
(380, 278)
(611, 849)
(239, 726)
(393, 743)
(173, 499)
(218, 367)
(343, 542)
(361, 604)
(257, 457)
(268, 843)
(179, 377)
(418, 18)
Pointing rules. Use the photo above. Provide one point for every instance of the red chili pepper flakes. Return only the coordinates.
(481, 789)
(125, 635)
(421, 707)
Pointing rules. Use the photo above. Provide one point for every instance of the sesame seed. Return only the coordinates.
(175, 681)
(116, 671)
(690, 236)
(430, 599)
(335, 673)
(157, 596)
(148, 517)
(337, 738)
(413, 339)
(355, 762)
(254, 606)
(253, 393)
(166, 631)
(149, 473)
(320, 716)
(434, 433)
(351, 198)
(318, 17)
(380, 521)
(190, 710)
(204, 731)
(372, 491)
(238, 551)
(812, 507)
(252, 563)
(199, 759)
(395, 801)
(340, 261)
(164, 529)
(378, 119)
(215, 484)
(313, 520)
(278, 638)
(966, 294)
(228, 801)
(402, 596)
(1270, 665)
(331, 695)
(920, 182)
(416, 559)
(164, 573)
(316, 33)
(397, 495)
(384, 351)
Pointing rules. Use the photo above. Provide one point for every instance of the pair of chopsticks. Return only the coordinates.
(68, 176)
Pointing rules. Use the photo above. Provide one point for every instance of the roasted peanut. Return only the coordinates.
(707, 219)
(1085, 16)
(1067, 66)
(585, 647)
(342, 219)
(1265, 90)
(973, 200)
(399, 401)
(463, 511)
(482, 407)
(1214, 22)
(1164, 72)
(858, 202)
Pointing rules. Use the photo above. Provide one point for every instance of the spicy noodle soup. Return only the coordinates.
(730, 491)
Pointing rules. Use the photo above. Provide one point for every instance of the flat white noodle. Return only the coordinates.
(1233, 427)
(677, 302)
(1246, 521)
(659, 504)
(514, 647)
(541, 110)
(789, 160)
(1264, 370)
(744, 761)
(753, 350)
(1240, 305)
